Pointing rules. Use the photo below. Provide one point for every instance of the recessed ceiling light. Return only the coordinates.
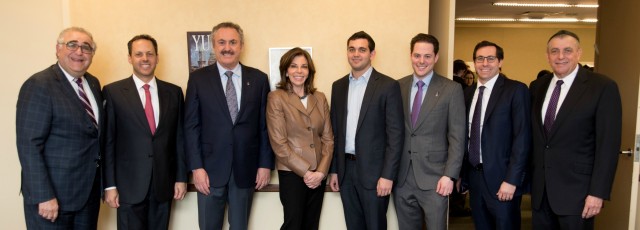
(554, 5)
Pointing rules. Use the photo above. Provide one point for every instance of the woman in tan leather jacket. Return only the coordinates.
(302, 140)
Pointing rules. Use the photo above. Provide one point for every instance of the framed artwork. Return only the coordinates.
(200, 51)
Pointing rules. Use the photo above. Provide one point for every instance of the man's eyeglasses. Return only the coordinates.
(73, 46)
(490, 59)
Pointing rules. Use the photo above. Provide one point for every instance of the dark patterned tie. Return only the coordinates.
(85, 101)
(550, 115)
(232, 99)
(148, 109)
(474, 136)
(417, 103)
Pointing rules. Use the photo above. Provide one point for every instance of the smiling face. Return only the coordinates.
(75, 62)
(563, 54)
(423, 58)
(298, 72)
(227, 46)
(143, 58)
(359, 56)
(485, 68)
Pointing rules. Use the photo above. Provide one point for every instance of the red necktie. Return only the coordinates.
(148, 109)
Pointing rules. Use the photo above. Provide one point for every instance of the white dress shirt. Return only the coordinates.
(564, 89)
(153, 89)
(486, 94)
(237, 80)
(357, 87)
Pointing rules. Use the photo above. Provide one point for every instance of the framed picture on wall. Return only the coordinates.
(199, 50)
(274, 63)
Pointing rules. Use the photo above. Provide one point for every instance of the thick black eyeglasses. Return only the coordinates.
(73, 46)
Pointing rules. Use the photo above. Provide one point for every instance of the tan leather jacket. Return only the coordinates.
(301, 138)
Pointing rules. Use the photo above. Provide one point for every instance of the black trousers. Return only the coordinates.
(149, 214)
(301, 204)
(545, 219)
(363, 209)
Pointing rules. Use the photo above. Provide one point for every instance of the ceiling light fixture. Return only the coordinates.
(551, 20)
(551, 5)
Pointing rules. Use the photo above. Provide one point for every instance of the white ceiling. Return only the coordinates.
(485, 9)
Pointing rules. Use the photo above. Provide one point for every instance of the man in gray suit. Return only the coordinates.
(434, 140)
(59, 122)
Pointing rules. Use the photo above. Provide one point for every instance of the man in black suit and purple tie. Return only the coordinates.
(144, 158)
(59, 122)
(576, 124)
(499, 143)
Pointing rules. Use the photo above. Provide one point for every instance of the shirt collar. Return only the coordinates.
(69, 77)
(426, 79)
(139, 83)
(236, 70)
(568, 79)
(364, 76)
(490, 83)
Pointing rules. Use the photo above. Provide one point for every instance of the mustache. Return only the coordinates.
(225, 52)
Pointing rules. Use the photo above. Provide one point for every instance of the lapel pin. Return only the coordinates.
(248, 83)
(437, 93)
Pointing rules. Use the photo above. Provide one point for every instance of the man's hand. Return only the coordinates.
(592, 206)
(179, 190)
(201, 181)
(112, 198)
(333, 182)
(263, 177)
(445, 186)
(49, 209)
(506, 191)
(313, 179)
(384, 187)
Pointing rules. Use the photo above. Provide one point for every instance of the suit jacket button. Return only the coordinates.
(546, 147)
(413, 135)
(311, 145)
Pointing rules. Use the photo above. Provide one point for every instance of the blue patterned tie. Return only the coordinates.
(474, 136)
(230, 94)
(550, 115)
(417, 103)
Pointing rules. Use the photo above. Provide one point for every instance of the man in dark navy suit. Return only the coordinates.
(499, 142)
(226, 138)
(59, 122)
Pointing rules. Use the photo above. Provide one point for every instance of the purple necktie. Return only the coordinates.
(417, 102)
(148, 109)
(474, 136)
(550, 115)
(230, 94)
(85, 101)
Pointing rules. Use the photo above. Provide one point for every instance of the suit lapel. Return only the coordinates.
(578, 87)
(131, 95)
(246, 88)
(537, 104)
(368, 95)
(342, 102)
(294, 100)
(494, 97)
(405, 89)
(431, 98)
(218, 90)
(163, 102)
(72, 93)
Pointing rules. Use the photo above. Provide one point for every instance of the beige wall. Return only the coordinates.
(524, 45)
(323, 25)
(28, 40)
